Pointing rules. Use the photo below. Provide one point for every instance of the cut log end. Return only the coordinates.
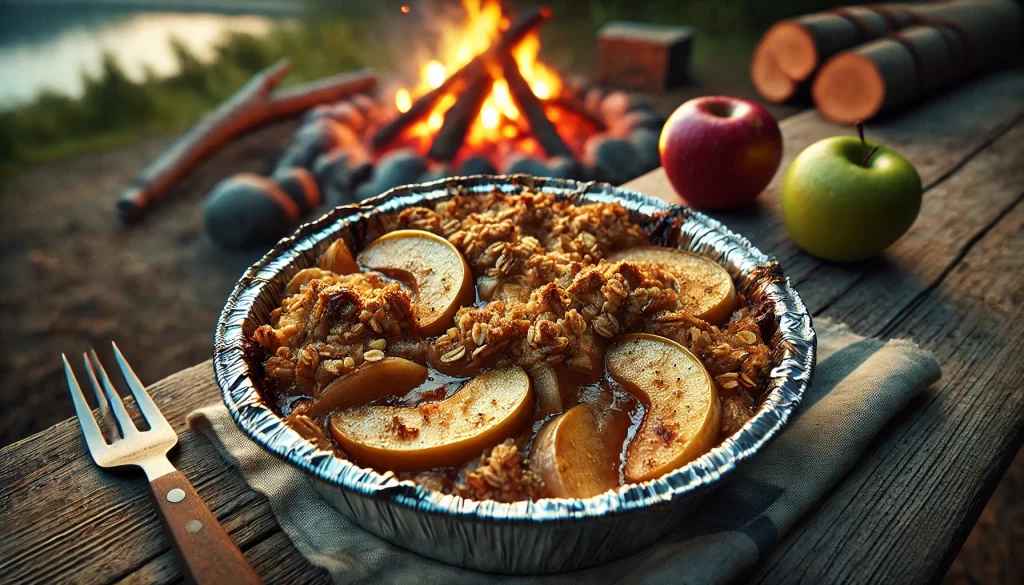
(849, 88)
(794, 49)
(768, 78)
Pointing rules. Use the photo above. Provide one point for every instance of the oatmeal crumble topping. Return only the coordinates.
(548, 296)
(501, 476)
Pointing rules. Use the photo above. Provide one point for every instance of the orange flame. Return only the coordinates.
(498, 127)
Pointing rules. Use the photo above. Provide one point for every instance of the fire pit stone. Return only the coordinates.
(394, 169)
(477, 165)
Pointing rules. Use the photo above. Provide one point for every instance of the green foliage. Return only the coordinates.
(114, 109)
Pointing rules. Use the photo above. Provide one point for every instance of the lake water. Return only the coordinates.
(49, 44)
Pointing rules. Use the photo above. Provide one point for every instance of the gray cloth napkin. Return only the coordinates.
(859, 384)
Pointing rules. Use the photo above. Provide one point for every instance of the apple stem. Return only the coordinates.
(860, 132)
(867, 158)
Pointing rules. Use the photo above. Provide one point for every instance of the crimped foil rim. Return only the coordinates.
(793, 357)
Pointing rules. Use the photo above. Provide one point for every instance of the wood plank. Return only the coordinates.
(912, 502)
(903, 513)
(61, 518)
(65, 520)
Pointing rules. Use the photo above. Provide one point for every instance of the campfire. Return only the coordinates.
(490, 106)
(492, 99)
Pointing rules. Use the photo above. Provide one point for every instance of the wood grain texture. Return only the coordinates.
(953, 284)
(205, 553)
(64, 520)
(905, 510)
(912, 502)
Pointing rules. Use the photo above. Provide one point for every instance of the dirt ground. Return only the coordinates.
(74, 277)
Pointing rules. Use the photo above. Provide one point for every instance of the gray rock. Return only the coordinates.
(369, 107)
(328, 163)
(349, 115)
(300, 154)
(625, 125)
(563, 167)
(300, 185)
(397, 168)
(248, 211)
(316, 113)
(529, 165)
(639, 102)
(477, 165)
(315, 138)
(441, 171)
(615, 160)
(339, 172)
(614, 106)
(645, 141)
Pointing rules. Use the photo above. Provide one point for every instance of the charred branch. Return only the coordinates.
(459, 118)
(254, 104)
(533, 110)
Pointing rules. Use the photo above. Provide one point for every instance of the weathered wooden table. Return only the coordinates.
(955, 284)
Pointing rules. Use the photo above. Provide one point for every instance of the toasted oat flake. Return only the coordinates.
(374, 355)
(747, 337)
(379, 344)
(454, 355)
(375, 325)
(480, 333)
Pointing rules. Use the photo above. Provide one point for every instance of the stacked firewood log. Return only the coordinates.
(861, 61)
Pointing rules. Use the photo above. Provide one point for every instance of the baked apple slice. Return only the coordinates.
(682, 415)
(491, 407)
(549, 388)
(578, 454)
(391, 376)
(338, 259)
(707, 291)
(429, 265)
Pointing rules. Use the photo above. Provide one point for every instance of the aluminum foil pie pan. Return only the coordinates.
(547, 535)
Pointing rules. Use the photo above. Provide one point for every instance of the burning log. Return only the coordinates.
(962, 39)
(532, 108)
(460, 116)
(422, 107)
(250, 106)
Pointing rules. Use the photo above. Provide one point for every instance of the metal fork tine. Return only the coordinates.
(109, 426)
(90, 430)
(146, 405)
(124, 420)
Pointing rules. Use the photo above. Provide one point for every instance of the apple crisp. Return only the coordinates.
(468, 351)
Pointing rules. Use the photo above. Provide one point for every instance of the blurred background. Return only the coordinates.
(90, 91)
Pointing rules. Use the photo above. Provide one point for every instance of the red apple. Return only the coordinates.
(719, 152)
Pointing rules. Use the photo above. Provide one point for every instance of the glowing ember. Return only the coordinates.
(498, 128)
(403, 100)
(434, 73)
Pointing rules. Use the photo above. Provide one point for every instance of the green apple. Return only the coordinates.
(841, 201)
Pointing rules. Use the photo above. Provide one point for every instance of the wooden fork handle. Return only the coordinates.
(205, 552)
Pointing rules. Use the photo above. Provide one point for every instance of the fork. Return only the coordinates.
(204, 550)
